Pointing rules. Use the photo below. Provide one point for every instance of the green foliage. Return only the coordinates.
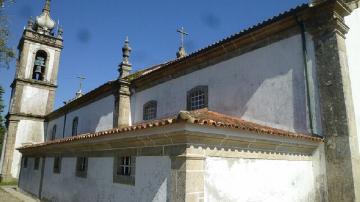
(7, 54)
(10, 183)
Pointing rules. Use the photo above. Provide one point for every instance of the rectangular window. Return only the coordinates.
(36, 163)
(57, 165)
(81, 166)
(124, 170)
(197, 98)
(25, 162)
(149, 110)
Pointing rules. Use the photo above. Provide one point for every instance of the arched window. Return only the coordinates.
(197, 98)
(75, 124)
(53, 133)
(39, 65)
(149, 110)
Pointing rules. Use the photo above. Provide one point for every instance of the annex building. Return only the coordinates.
(269, 114)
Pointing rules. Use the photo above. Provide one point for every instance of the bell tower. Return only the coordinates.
(33, 88)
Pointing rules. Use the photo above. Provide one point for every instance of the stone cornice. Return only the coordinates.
(329, 18)
(123, 88)
(22, 116)
(41, 38)
(41, 84)
(171, 136)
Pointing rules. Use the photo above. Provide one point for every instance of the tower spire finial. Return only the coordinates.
(44, 24)
(126, 51)
(47, 6)
(181, 52)
(125, 65)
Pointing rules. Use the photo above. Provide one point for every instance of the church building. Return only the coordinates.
(268, 114)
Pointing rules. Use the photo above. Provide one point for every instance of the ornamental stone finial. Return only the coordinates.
(125, 65)
(126, 51)
(60, 32)
(44, 23)
(30, 24)
(47, 6)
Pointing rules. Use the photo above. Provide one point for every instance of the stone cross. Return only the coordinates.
(182, 34)
(81, 79)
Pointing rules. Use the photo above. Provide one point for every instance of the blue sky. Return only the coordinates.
(94, 31)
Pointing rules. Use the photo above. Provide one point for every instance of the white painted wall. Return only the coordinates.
(30, 102)
(30, 178)
(266, 85)
(353, 50)
(28, 131)
(94, 117)
(33, 48)
(59, 122)
(257, 180)
(151, 181)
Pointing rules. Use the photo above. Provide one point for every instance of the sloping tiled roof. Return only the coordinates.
(260, 25)
(201, 117)
(83, 99)
(149, 70)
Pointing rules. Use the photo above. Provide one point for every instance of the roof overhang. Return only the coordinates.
(170, 135)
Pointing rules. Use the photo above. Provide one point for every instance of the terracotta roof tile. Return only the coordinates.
(202, 117)
(230, 38)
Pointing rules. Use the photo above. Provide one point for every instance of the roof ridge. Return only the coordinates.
(237, 34)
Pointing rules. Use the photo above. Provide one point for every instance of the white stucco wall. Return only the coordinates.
(93, 117)
(151, 181)
(30, 102)
(30, 178)
(28, 131)
(257, 180)
(353, 50)
(266, 85)
(33, 48)
(59, 122)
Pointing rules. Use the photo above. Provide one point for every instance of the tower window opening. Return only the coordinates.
(39, 66)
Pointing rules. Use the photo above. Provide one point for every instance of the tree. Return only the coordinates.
(2, 125)
(7, 54)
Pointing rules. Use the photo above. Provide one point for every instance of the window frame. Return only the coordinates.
(25, 161)
(75, 126)
(53, 132)
(194, 90)
(81, 170)
(36, 163)
(146, 106)
(119, 164)
(57, 169)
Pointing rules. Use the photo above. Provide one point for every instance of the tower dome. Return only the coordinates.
(44, 23)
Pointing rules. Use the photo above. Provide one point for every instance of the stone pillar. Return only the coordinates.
(122, 105)
(341, 153)
(187, 178)
(8, 144)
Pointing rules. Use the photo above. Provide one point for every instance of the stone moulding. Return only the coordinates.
(173, 139)
(41, 38)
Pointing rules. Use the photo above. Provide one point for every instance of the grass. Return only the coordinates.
(9, 183)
